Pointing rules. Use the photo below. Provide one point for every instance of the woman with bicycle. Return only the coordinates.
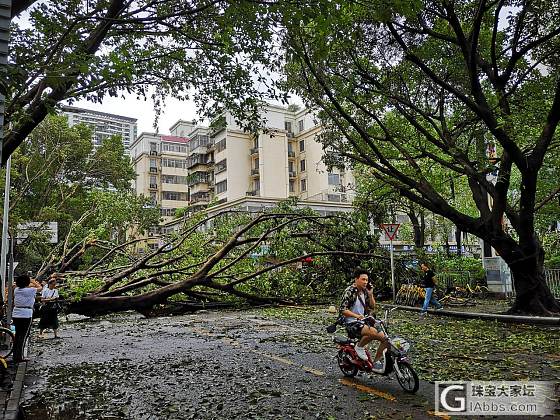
(49, 308)
(24, 298)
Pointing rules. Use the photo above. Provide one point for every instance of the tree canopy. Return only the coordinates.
(57, 176)
(68, 50)
(424, 91)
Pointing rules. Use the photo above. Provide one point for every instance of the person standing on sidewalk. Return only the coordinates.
(24, 298)
(429, 281)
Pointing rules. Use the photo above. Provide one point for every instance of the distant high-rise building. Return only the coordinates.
(103, 124)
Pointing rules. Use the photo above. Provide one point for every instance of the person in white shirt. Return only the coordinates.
(49, 311)
(24, 298)
(357, 302)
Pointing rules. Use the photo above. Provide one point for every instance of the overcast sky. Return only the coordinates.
(143, 111)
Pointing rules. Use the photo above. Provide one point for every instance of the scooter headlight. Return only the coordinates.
(401, 344)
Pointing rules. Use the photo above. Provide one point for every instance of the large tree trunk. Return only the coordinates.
(93, 305)
(532, 295)
(418, 228)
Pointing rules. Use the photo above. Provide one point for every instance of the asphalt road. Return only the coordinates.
(210, 365)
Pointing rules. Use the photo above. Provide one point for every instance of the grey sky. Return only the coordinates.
(143, 111)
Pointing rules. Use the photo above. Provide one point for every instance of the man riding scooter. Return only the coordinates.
(357, 301)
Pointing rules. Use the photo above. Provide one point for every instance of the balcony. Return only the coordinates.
(253, 193)
(255, 172)
(254, 151)
(291, 154)
(290, 135)
(153, 169)
(292, 174)
(153, 153)
(200, 179)
(153, 186)
(196, 159)
(200, 197)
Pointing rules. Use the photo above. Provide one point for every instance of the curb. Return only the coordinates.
(11, 412)
(515, 319)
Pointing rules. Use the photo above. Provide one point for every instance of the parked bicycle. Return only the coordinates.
(7, 336)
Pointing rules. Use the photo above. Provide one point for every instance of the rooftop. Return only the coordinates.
(77, 110)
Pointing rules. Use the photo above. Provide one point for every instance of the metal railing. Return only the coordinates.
(455, 278)
(552, 278)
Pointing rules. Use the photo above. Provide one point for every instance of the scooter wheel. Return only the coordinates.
(408, 379)
(345, 364)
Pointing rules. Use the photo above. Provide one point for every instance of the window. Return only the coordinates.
(334, 179)
(333, 197)
(174, 196)
(221, 187)
(153, 163)
(153, 197)
(302, 146)
(303, 184)
(300, 125)
(221, 166)
(168, 211)
(302, 165)
(292, 186)
(172, 147)
(174, 179)
(288, 126)
(221, 145)
(153, 147)
(174, 163)
(291, 166)
(153, 180)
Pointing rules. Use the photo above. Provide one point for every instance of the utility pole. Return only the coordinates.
(5, 19)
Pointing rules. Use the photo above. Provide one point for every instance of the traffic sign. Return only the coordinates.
(390, 229)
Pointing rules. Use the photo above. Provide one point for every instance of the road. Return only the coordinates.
(210, 365)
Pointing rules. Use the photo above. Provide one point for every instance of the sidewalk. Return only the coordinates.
(10, 398)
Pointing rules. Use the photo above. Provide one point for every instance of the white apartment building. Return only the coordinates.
(229, 167)
(160, 163)
(283, 160)
(224, 166)
(103, 124)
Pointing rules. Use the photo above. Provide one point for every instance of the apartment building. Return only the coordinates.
(103, 124)
(228, 167)
(283, 160)
(160, 162)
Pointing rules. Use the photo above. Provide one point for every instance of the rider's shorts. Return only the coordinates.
(354, 329)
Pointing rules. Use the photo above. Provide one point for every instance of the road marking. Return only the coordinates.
(316, 372)
(368, 389)
(274, 357)
(443, 416)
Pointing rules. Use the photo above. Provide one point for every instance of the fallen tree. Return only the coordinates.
(212, 260)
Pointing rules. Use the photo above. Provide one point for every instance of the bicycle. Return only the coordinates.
(7, 337)
(410, 295)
